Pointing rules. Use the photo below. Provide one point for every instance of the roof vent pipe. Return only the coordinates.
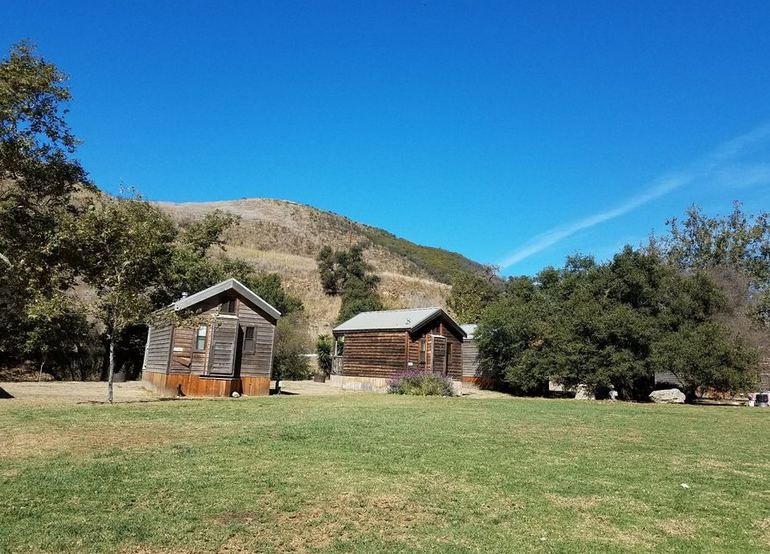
(184, 295)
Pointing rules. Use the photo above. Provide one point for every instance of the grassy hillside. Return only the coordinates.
(376, 473)
(285, 237)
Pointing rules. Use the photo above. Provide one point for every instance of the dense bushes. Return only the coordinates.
(421, 383)
(613, 324)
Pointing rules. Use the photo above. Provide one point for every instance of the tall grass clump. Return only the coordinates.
(421, 383)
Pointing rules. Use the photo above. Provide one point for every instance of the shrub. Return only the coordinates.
(421, 383)
(323, 348)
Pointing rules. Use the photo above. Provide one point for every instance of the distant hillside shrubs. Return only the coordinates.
(345, 273)
(421, 383)
(442, 265)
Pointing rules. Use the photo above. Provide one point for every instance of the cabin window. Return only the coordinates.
(423, 350)
(200, 338)
(448, 357)
(249, 340)
(228, 307)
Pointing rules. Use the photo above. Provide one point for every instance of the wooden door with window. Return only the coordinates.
(224, 341)
(438, 354)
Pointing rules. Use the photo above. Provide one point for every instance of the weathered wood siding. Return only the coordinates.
(223, 346)
(375, 354)
(470, 359)
(454, 343)
(261, 360)
(158, 348)
(181, 350)
(385, 354)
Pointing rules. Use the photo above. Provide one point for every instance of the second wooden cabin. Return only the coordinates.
(372, 348)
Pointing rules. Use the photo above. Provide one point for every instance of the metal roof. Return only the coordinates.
(224, 286)
(393, 320)
(470, 330)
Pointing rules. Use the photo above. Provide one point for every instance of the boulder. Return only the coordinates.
(667, 396)
(582, 392)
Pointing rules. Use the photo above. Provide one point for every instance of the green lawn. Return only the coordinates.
(372, 473)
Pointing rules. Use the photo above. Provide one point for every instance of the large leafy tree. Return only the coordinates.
(38, 174)
(472, 293)
(739, 242)
(124, 248)
(612, 324)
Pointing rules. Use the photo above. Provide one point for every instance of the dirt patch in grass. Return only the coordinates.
(71, 392)
(49, 442)
(681, 528)
(576, 502)
(764, 527)
(316, 525)
(604, 531)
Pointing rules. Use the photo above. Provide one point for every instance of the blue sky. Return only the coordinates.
(514, 133)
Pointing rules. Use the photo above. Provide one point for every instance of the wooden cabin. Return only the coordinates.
(212, 343)
(373, 347)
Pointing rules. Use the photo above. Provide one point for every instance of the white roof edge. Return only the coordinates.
(219, 288)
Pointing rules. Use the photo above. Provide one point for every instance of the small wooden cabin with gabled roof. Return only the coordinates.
(212, 343)
(374, 347)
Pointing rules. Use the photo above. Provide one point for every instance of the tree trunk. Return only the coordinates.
(111, 371)
(40, 373)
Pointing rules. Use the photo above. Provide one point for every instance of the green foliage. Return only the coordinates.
(57, 327)
(344, 268)
(421, 383)
(37, 177)
(472, 293)
(123, 248)
(345, 272)
(203, 234)
(358, 297)
(327, 270)
(707, 356)
(440, 264)
(292, 345)
(739, 241)
(610, 325)
(323, 348)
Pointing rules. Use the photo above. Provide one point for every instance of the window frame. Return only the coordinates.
(225, 308)
(253, 340)
(198, 337)
(423, 358)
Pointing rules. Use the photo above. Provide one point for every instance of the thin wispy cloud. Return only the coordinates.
(719, 161)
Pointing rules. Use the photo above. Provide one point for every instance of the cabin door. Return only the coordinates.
(223, 346)
(438, 354)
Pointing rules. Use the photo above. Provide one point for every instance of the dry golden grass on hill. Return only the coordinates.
(284, 237)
